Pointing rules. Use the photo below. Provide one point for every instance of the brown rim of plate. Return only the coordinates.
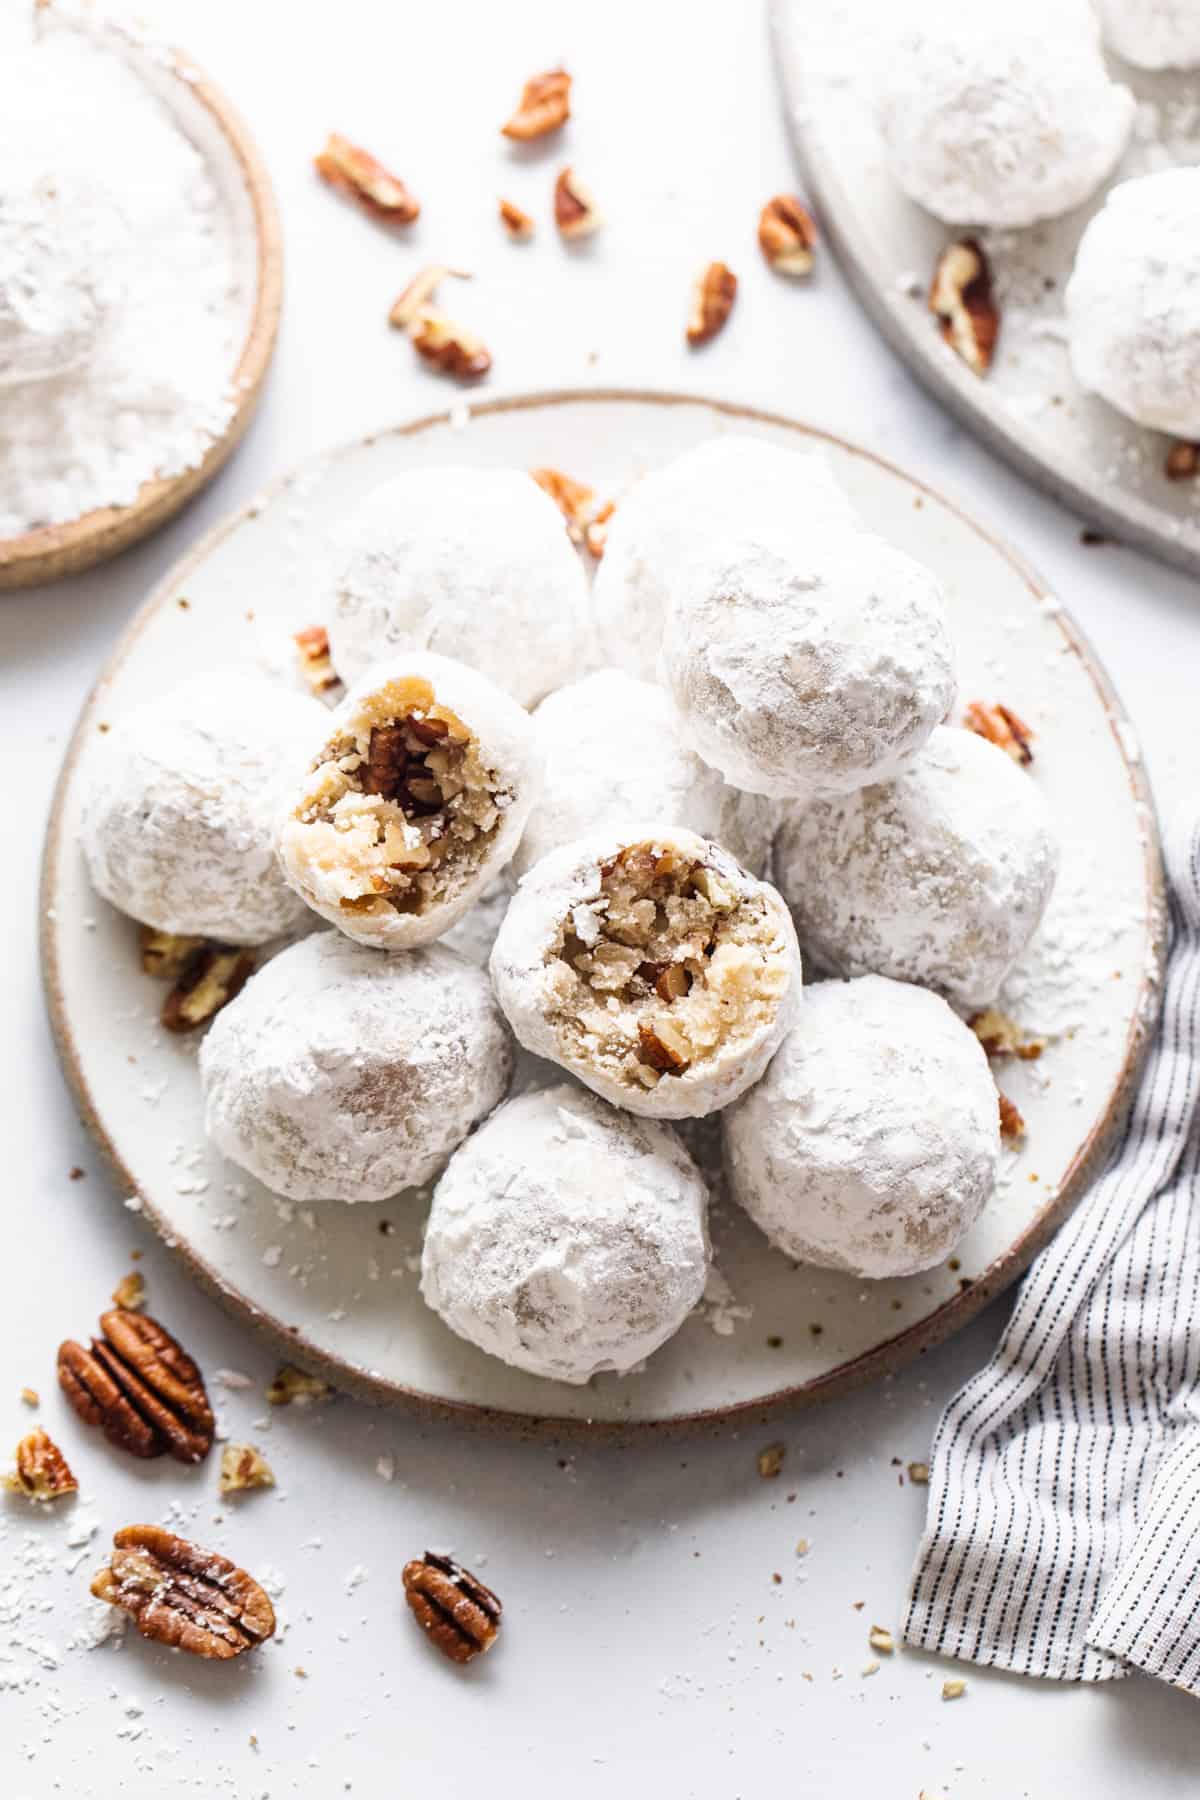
(67, 549)
(894, 1352)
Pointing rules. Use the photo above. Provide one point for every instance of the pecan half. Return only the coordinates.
(316, 664)
(41, 1471)
(1002, 727)
(165, 954)
(211, 978)
(448, 346)
(1012, 1125)
(787, 235)
(293, 1387)
(1002, 1036)
(461, 1616)
(544, 106)
(961, 299)
(140, 1387)
(575, 211)
(356, 172)
(180, 1595)
(243, 1467)
(1182, 461)
(713, 294)
(518, 224)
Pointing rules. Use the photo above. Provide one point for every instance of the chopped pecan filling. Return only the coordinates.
(404, 805)
(665, 966)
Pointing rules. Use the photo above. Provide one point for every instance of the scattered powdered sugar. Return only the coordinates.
(139, 309)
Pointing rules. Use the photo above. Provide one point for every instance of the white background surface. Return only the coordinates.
(647, 1647)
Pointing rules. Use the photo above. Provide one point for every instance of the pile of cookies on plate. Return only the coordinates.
(768, 696)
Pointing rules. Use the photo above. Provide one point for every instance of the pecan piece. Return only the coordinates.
(663, 1046)
(293, 1387)
(1000, 726)
(518, 224)
(713, 294)
(316, 664)
(180, 1595)
(461, 1616)
(448, 346)
(1002, 1036)
(130, 1292)
(1012, 1125)
(210, 980)
(356, 172)
(770, 1461)
(961, 299)
(587, 520)
(140, 1387)
(165, 954)
(544, 106)
(787, 235)
(41, 1472)
(244, 1467)
(1182, 461)
(419, 292)
(575, 211)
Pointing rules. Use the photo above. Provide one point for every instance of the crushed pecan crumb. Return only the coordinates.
(787, 235)
(293, 1387)
(918, 1474)
(244, 1467)
(1012, 1125)
(30, 1396)
(449, 347)
(316, 664)
(770, 1461)
(713, 294)
(575, 211)
(459, 1614)
(587, 519)
(140, 1387)
(165, 954)
(518, 224)
(1182, 461)
(130, 1292)
(961, 299)
(953, 1690)
(1002, 727)
(544, 106)
(41, 1471)
(211, 978)
(1002, 1036)
(356, 172)
(881, 1639)
(180, 1595)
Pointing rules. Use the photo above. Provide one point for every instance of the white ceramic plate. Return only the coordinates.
(1029, 407)
(339, 1283)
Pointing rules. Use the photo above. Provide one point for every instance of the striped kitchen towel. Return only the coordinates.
(1063, 1532)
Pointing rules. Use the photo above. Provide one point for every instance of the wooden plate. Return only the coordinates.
(207, 118)
(338, 1284)
(1029, 408)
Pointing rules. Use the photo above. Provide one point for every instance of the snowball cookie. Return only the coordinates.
(180, 803)
(1133, 302)
(871, 1143)
(940, 878)
(1001, 115)
(805, 666)
(1153, 34)
(62, 246)
(337, 1074)
(720, 483)
(650, 964)
(472, 563)
(567, 1238)
(613, 754)
(414, 802)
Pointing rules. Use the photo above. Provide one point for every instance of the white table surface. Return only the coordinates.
(647, 1647)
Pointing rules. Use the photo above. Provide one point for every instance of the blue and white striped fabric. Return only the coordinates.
(1063, 1533)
